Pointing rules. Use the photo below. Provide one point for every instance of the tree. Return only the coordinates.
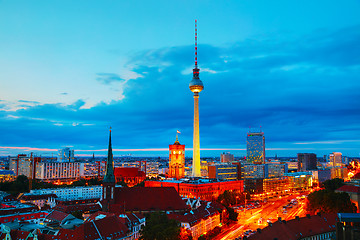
(160, 227)
(333, 184)
(329, 202)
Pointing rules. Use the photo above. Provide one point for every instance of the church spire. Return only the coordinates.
(109, 174)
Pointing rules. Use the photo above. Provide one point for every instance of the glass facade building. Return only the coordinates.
(255, 147)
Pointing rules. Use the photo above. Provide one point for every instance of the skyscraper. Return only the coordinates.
(306, 161)
(66, 155)
(177, 160)
(196, 86)
(336, 159)
(255, 147)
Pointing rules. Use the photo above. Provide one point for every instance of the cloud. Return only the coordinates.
(302, 91)
(108, 78)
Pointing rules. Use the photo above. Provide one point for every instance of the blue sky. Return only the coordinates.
(71, 69)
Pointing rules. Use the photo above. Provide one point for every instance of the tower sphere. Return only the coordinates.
(196, 85)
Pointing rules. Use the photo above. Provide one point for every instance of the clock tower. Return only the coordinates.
(177, 160)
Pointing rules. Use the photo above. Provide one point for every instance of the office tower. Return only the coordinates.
(196, 86)
(223, 171)
(226, 157)
(66, 155)
(336, 159)
(306, 161)
(255, 147)
(177, 160)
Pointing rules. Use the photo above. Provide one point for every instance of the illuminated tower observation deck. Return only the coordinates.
(196, 86)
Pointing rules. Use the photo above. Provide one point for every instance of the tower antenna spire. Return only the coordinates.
(195, 43)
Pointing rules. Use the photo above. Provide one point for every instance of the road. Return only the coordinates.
(257, 218)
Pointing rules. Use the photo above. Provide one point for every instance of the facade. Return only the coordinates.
(73, 193)
(254, 185)
(205, 189)
(249, 170)
(199, 220)
(92, 169)
(177, 160)
(57, 170)
(223, 171)
(129, 175)
(255, 147)
(348, 226)
(336, 159)
(276, 170)
(300, 180)
(306, 161)
(66, 155)
(23, 165)
(276, 185)
(152, 169)
(226, 157)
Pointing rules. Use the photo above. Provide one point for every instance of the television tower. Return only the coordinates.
(196, 86)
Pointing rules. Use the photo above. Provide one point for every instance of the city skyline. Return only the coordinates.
(67, 75)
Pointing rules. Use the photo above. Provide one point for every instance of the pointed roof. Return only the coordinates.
(109, 174)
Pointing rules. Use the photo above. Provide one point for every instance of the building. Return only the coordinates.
(92, 169)
(152, 169)
(300, 180)
(255, 147)
(223, 171)
(205, 189)
(129, 175)
(275, 170)
(321, 226)
(306, 161)
(24, 165)
(7, 175)
(249, 170)
(57, 170)
(177, 160)
(66, 154)
(38, 200)
(336, 159)
(348, 226)
(200, 220)
(226, 157)
(196, 86)
(353, 189)
(278, 185)
(72, 193)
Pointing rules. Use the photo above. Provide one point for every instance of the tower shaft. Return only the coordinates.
(196, 169)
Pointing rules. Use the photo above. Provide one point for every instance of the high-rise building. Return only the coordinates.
(66, 155)
(255, 147)
(306, 161)
(196, 86)
(57, 170)
(226, 157)
(177, 160)
(336, 159)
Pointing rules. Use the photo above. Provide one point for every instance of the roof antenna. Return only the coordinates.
(195, 43)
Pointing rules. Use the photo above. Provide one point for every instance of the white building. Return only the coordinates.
(57, 170)
(66, 154)
(74, 193)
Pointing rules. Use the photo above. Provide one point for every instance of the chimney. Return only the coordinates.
(308, 215)
(279, 219)
(297, 218)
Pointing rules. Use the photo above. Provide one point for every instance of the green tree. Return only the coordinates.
(160, 227)
(333, 184)
(329, 202)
